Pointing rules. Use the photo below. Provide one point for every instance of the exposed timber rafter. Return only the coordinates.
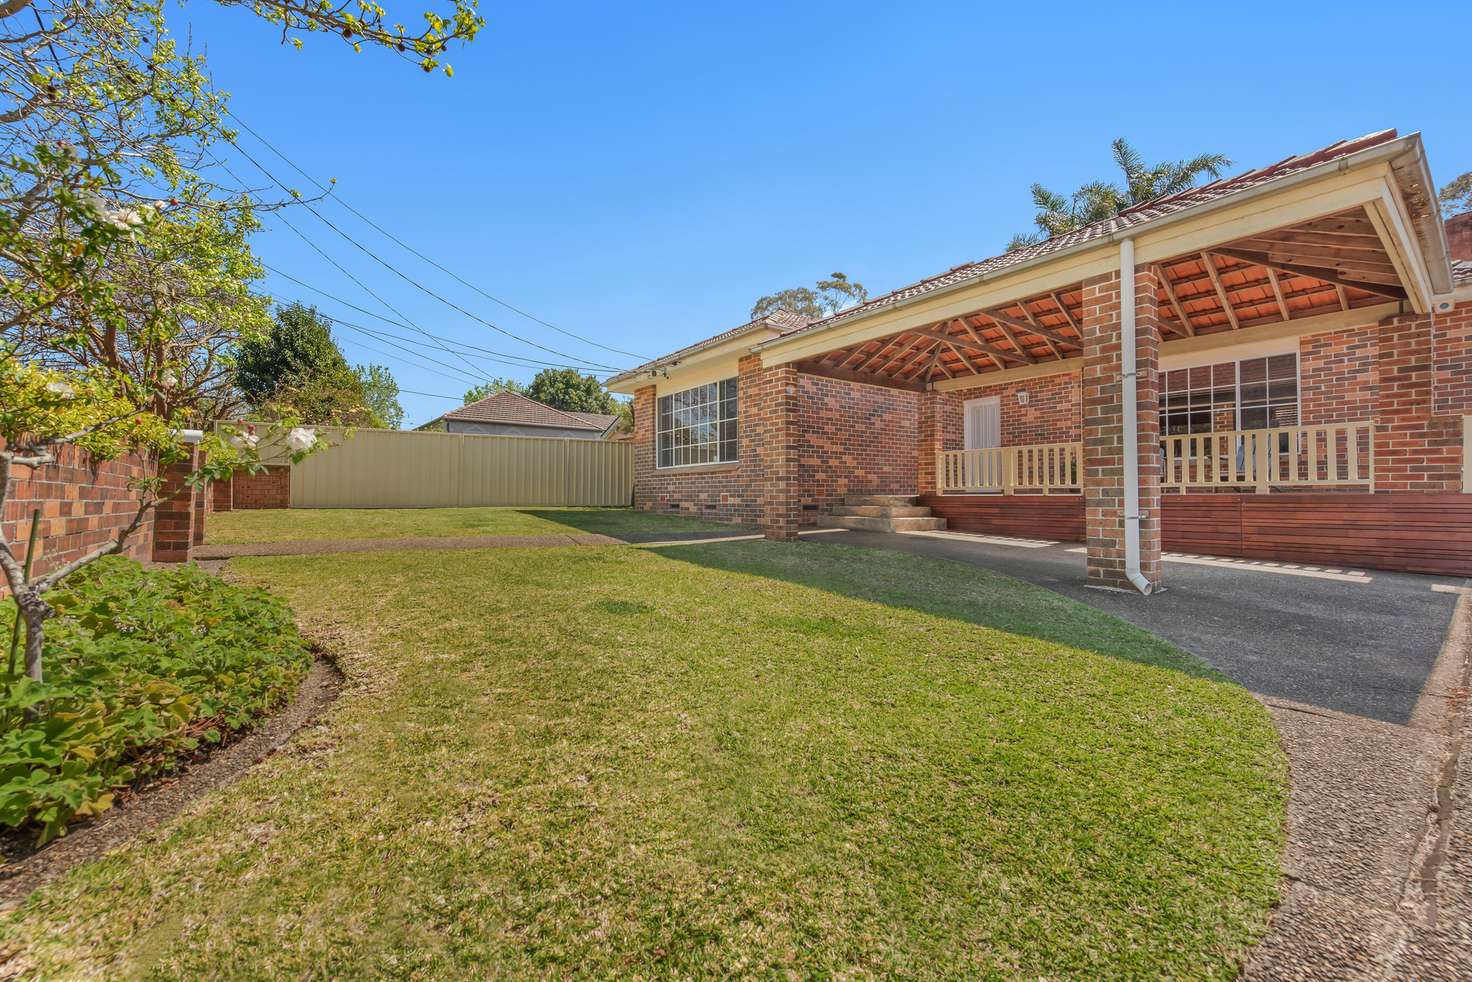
(1221, 291)
(1186, 328)
(1327, 275)
(817, 367)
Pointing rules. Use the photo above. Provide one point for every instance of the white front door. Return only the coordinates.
(983, 423)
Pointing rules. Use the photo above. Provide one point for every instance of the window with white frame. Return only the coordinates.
(1252, 394)
(697, 426)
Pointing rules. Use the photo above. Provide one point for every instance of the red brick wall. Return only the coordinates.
(850, 439)
(853, 439)
(1053, 414)
(271, 488)
(83, 505)
(1452, 343)
(1415, 450)
(1338, 381)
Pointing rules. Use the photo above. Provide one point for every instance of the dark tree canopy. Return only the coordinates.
(297, 367)
(571, 391)
(1099, 200)
(1456, 196)
(825, 297)
(492, 386)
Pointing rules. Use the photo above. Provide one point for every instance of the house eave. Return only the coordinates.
(1381, 153)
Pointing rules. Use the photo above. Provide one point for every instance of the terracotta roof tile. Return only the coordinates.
(517, 409)
(1132, 217)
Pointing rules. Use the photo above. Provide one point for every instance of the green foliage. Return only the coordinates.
(145, 668)
(491, 387)
(380, 396)
(1456, 196)
(297, 369)
(1099, 200)
(827, 297)
(571, 391)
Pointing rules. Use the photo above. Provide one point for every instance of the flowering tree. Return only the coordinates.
(125, 273)
(42, 411)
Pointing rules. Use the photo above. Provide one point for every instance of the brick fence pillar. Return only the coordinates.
(1103, 426)
(929, 439)
(779, 408)
(173, 520)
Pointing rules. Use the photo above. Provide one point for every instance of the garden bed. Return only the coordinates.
(145, 671)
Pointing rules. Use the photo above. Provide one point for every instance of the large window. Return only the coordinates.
(1254, 394)
(698, 426)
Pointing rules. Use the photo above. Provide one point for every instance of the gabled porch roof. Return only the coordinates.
(1350, 227)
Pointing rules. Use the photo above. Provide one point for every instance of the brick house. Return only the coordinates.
(1302, 385)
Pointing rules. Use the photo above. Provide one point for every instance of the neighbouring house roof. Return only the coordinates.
(515, 409)
(781, 322)
(1462, 272)
(1131, 218)
(601, 420)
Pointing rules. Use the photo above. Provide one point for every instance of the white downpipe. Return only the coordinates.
(1128, 365)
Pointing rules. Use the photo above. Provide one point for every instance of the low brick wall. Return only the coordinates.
(83, 505)
(271, 488)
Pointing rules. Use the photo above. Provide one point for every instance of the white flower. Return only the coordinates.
(160, 205)
(301, 438)
(243, 441)
(60, 389)
(169, 380)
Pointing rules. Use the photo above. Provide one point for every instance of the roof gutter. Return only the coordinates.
(1370, 155)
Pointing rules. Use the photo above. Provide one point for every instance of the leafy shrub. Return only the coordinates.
(142, 667)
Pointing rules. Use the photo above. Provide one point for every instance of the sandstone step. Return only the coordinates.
(882, 511)
(882, 500)
(861, 523)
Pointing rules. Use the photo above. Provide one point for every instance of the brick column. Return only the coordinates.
(929, 440)
(644, 448)
(1103, 425)
(778, 405)
(173, 520)
(1415, 449)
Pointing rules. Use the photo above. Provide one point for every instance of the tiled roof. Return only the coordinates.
(1132, 217)
(517, 409)
(781, 321)
(601, 420)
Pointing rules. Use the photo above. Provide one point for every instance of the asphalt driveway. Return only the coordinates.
(1359, 642)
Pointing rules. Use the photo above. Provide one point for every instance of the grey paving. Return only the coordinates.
(1363, 649)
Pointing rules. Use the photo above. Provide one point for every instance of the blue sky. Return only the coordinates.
(639, 174)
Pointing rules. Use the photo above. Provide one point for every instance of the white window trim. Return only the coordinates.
(709, 464)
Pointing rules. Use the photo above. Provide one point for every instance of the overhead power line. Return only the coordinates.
(361, 285)
(519, 361)
(407, 247)
(397, 272)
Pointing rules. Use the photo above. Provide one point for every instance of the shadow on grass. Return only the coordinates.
(635, 526)
(944, 588)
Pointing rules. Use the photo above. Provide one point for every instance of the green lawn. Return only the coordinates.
(288, 524)
(735, 759)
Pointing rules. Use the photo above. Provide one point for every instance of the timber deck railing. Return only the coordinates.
(1334, 455)
(1040, 468)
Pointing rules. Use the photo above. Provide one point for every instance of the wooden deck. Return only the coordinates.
(1406, 532)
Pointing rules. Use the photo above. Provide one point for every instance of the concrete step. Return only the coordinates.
(882, 500)
(882, 511)
(864, 524)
